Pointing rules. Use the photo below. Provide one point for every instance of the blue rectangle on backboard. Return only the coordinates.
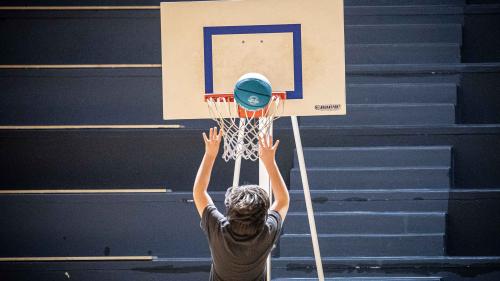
(295, 29)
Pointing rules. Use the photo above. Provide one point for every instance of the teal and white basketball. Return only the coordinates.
(253, 91)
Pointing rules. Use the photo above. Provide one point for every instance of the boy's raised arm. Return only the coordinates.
(267, 152)
(200, 194)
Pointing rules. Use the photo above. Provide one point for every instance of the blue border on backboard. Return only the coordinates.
(295, 29)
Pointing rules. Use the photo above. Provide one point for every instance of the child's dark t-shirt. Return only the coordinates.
(235, 257)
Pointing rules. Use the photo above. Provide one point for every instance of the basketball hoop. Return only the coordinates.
(242, 127)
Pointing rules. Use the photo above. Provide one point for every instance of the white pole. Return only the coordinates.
(237, 162)
(307, 197)
(265, 182)
(236, 174)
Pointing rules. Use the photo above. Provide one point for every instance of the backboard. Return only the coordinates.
(297, 44)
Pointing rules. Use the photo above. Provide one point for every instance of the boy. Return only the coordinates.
(241, 241)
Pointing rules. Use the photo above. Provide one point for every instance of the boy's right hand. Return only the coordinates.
(267, 149)
(212, 142)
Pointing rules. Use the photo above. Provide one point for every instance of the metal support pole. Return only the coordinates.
(307, 197)
(265, 182)
(237, 162)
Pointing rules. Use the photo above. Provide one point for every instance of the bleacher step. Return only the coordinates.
(379, 177)
(364, 279)
(372, 200)
(405, 14)
(403, 33)
(376, 156)
(393, 93)
(402, 2)
(387, 114)
(367, 222)
(297, 245)
(413, 53)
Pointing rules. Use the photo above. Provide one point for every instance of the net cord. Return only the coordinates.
(241, 134)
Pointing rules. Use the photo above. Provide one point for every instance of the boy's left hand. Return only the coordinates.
(267, 149)
(212, 143)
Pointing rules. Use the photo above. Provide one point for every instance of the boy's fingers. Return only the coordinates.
(263, 141)
(205, 137)
(215, 133)
(276, 144)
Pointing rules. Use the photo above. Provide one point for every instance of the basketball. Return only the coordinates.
(253, 91)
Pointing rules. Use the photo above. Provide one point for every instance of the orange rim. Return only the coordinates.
(242, 112)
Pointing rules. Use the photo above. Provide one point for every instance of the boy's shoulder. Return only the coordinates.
(211, 219)
(275, 218)
(275, 223)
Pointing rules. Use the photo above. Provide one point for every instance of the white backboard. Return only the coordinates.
(297, 44)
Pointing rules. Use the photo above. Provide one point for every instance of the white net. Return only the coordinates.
(241, 133)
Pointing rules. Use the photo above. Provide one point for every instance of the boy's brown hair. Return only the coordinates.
(246, 209)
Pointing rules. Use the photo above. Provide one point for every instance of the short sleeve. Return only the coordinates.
(210, 219)
(275, 224)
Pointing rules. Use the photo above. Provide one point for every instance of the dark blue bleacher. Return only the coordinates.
(390, 181)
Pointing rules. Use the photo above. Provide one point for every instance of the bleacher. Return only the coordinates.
(96, 186)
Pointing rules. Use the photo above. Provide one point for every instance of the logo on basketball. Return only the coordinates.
(253, 100)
